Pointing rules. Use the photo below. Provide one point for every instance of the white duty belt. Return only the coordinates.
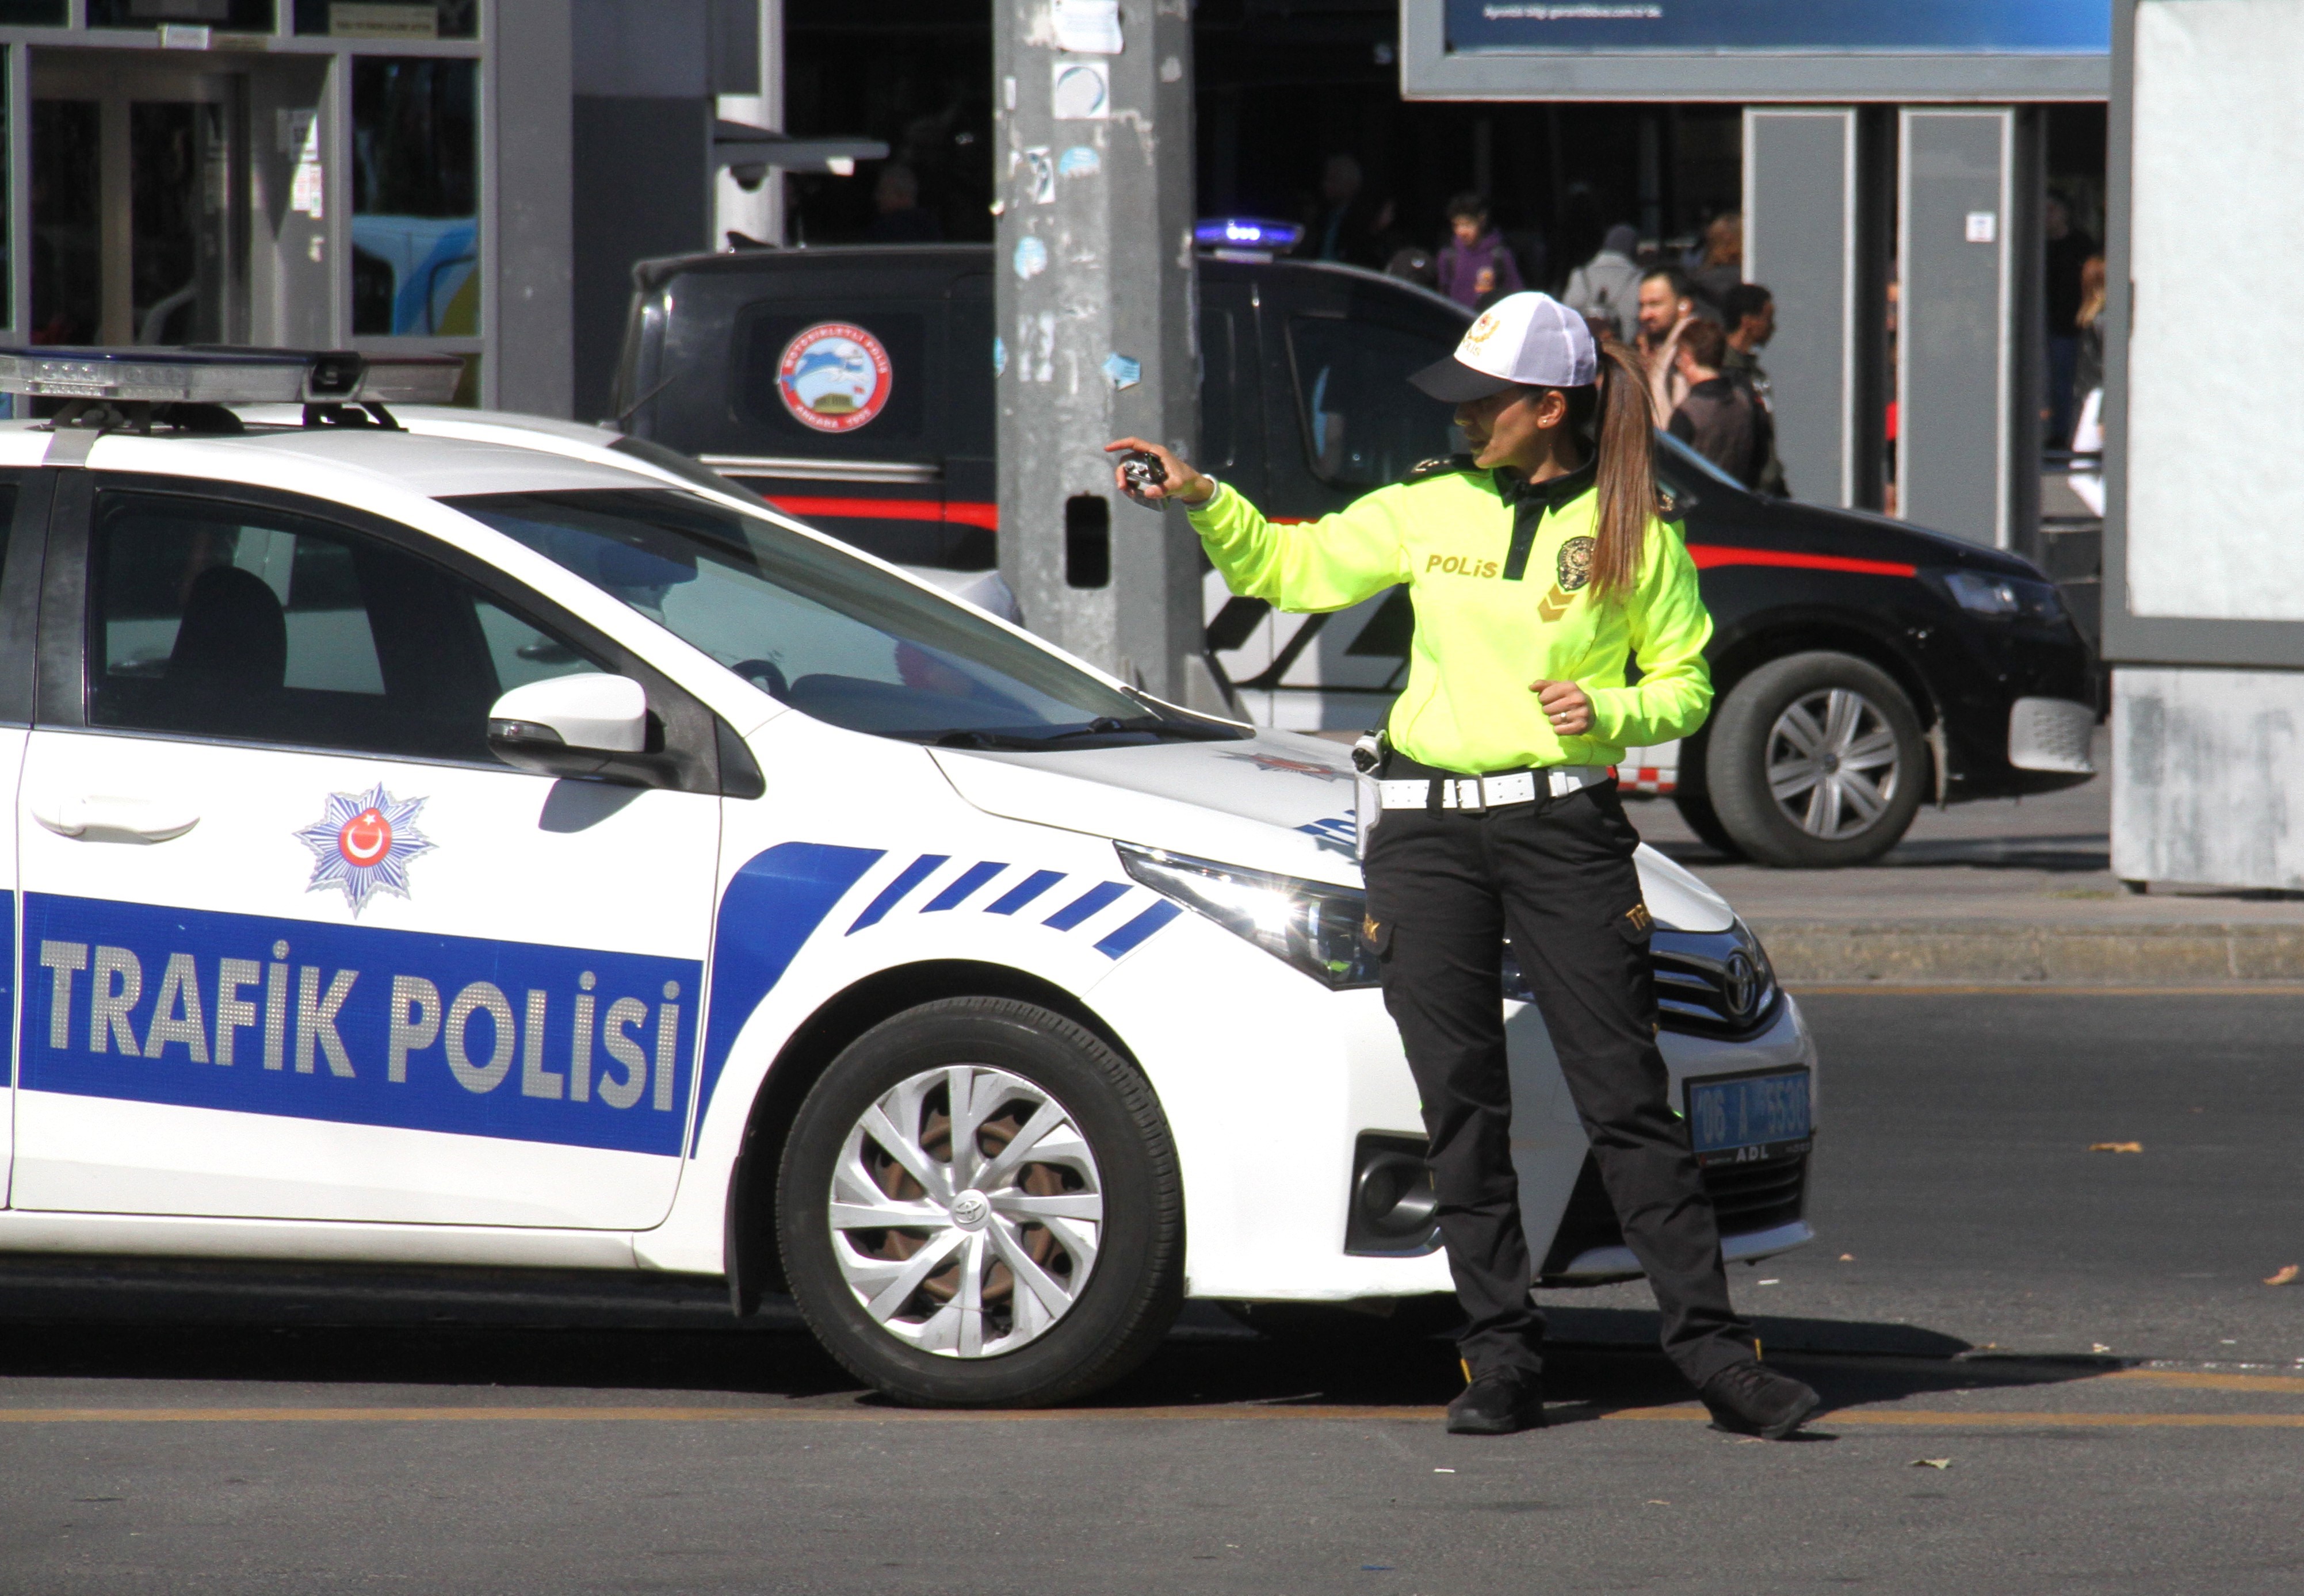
(1493, 792)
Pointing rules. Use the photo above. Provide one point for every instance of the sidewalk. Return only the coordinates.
(2010, 892)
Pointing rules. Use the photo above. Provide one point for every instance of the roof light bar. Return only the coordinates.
(1248, 232)
(161, 375)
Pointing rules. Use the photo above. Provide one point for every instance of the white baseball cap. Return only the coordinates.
(1523, 340)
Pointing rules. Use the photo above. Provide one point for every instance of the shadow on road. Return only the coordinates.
(75, 1320)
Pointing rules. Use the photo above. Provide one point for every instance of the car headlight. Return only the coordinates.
(1311, 926)
(1982, 593)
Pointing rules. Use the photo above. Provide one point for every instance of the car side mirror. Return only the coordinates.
(586, 725)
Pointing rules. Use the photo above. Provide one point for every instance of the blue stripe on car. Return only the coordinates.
(958, 893)
(1081, 907)
(771, 908)
(1142, 926)
(1025, 890)
(913, 874)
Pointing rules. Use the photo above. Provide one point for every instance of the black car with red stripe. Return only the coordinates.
(1864, 666)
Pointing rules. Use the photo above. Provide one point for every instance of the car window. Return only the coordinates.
(216, 620)
(843, 640)
(1364, 426)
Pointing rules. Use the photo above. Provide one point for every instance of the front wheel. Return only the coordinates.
(1815, 761)
(979, 1207)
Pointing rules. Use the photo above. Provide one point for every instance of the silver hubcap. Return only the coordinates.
(1832, 764)
(966, 1211)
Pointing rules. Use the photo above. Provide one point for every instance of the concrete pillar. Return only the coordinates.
(1092, 154)
(1800, 240)
(528, 365)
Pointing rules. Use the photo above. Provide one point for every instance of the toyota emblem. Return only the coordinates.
(1739, 985)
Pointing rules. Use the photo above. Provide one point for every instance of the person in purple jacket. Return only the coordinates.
(1475, 267)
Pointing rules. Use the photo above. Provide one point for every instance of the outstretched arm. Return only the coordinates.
(1328, 564)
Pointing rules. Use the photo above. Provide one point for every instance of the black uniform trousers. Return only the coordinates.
(1444, 888)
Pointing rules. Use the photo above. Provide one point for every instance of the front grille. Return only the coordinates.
(1747, 1198)
(1708, 983)
(1713, 983)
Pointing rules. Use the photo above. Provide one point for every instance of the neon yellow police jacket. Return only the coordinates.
(1502, 597)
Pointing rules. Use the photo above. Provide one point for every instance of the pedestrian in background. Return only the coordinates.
(1539, 568)
(2067, 250)
(1721, 267)
(1474, 267)
(2087, 476)
(1716, 416)
(1665, 307)
(1343, 227)
(1748, 312)
(1609, 284)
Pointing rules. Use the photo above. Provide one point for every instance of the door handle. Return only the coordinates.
(102, 818)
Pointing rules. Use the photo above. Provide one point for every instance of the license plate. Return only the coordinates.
(1741, 1119)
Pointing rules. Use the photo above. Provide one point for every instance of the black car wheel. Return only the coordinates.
(1815, 761)
(979, 1207)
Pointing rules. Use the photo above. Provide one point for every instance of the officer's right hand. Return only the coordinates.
(1185, 485)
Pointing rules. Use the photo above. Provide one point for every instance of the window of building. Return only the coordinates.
(233, 16)
(416, 239)
(371, 19)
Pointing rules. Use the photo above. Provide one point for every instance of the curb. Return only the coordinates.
(2016, 952)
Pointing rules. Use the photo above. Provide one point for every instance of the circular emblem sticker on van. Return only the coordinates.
(835, 377)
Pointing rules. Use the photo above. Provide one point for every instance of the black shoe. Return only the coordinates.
(1498, 1404)
(1752, 1400)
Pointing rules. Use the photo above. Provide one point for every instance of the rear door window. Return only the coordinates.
(1363, 425)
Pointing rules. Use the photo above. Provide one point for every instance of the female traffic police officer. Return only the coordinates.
(1538, 567)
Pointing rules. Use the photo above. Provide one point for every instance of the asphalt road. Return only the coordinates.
(2083, 1339)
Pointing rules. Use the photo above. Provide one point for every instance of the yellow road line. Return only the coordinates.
(2178, 1380)
(1989, 1420)
(1946, 988)
(1689, 1413)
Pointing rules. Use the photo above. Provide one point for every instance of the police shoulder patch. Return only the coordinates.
(1439, 466)
(1576, 563)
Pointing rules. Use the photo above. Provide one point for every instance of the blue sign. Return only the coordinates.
(357, 1025)
(1822, 27)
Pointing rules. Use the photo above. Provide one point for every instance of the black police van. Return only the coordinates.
(1863, 666)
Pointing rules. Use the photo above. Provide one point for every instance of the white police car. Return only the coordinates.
(438, 850)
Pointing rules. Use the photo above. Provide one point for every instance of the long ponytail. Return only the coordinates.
(1623, 438)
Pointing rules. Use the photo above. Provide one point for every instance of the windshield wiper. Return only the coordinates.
(1159, 726)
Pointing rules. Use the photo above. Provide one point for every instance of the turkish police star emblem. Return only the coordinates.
(363, 844)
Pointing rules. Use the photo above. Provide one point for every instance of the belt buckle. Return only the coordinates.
(1473, 795)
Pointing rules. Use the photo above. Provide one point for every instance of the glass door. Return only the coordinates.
(140, 215)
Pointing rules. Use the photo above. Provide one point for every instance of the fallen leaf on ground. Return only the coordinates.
(1931, 1463)
(2284, 1275)
(2116, 1146)
(1848, 1257)
(2099, 1346)
(1444, 1471)
(1656, 1502)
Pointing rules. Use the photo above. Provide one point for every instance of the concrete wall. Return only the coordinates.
(2208, 776)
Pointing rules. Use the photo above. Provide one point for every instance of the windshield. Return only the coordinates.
(821, 629)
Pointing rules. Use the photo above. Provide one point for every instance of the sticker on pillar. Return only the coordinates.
(1040, 175)
(1087, 27)
(1082, 91)
(1079, 161)
(1983, 227)
(1031, 257)
(1121, 372)
(999, 356)
(835, 377)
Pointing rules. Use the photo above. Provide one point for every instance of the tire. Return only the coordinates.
(1815, 761)
(1695, 808)
(1098, 1220)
